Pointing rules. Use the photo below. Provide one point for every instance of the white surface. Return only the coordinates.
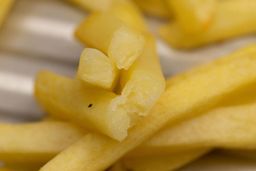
(39, 35)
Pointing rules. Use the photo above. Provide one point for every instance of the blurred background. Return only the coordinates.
(38, 35)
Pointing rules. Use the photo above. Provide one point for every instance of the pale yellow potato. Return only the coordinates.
(83, 104)
(233, 19)
(129, 13)
(93, 5)
(142, 84)
(105, 32)
(163, 162)
(231, 127)
(180, 101)
(193, 16)
(5, 7)
(36, 142)
(97, 69)
(156, 8)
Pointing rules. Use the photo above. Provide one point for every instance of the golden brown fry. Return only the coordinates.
(224, 26)
(35, 142)
(181, 100)
(156, 8)
(83, 104)
(97, 69)
(193, 16)
(5, 6)
(164, 162)
(107, 33)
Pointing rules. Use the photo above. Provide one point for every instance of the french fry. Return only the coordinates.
(224, 26)
(35, 142)
(107, 33)
(181, 100)
(231, 127)
(156, 8)
(164, 162)
(142, 84)
(5, 6)
(88, 106)
(97, 69)
(193, 16)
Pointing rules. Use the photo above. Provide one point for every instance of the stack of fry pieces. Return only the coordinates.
(117, 113)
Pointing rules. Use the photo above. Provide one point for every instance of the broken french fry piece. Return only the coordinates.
(36, 142)
(5, 6)
(164, 162)
(86, 105)
(193, 16)
(156, 8)
(97, 69)
(122, 44)
(231, 127)
(180, 101)
(224, 26)
(142, 84)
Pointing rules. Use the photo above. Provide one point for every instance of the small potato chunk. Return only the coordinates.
(97, 69)
(107, 33)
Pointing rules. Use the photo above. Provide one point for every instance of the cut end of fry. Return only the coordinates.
(125, 47)
(82, 104)
(96, 68)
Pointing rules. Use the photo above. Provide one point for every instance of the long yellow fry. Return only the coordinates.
(224, 26)
(232, 127)
(35, 142)
(181, 100)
